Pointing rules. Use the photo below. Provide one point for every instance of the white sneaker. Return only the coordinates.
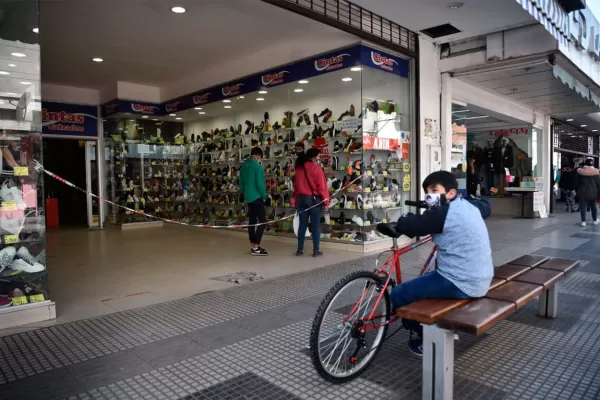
(358, 220)
(20, 264)
(596, 222)
(7, 255)
(12, 194)
(583, 224)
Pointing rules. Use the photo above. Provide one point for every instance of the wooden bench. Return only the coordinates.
(514, 285)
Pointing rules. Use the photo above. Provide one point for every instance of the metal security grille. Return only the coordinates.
(569, 138)
(354, 19)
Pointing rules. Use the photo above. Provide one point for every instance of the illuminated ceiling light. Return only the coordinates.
(36, 30)
(356, 69)
(25, 83)
(12, 65)
(172, 115)
(459, 111)
(178, 118)
(202, 113)
(303, 82)
(298, 90)
(479, 117)
(144, 116)
(263, 92)
(178, 10)
(241, 97)
(226, 101)
(97, 59)
(455, 5)
(4, 73)
(260, 99)
(197, 108)
(583, 126)
(18, 55)
(594, 130)
(346, 79)
(227, 107)
(570, 119)
(132, 120)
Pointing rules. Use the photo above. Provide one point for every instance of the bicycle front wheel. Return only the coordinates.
(343, 341)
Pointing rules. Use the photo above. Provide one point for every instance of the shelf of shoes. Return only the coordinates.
(23, 272)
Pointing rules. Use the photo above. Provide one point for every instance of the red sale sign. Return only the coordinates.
(373, 143)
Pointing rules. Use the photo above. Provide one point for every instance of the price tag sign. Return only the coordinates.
(385, 173)
(384, 220)
(406, 167)
(127, 212)
(21, 171)
(19, 301)
(385, 189)
(367, 190)
(287, 205)
(345, 150)
(37, 298)
(367, 223)
(9, 206)
(406, 186)
(11, 239)
(350, 124)
(369, 173)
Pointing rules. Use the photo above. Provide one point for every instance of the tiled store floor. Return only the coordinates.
(249, 342)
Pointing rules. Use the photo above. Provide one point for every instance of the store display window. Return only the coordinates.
(23, 264)
(359, 114)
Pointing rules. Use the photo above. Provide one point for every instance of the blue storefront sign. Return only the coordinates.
(323, 64)
(69, 119)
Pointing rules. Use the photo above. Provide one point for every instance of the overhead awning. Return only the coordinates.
(546, 88)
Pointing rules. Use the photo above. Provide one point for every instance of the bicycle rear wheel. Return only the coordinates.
(343, 342)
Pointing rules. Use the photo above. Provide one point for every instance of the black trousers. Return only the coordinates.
(256, 213)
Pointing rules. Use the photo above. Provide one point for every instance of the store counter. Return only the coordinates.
(520, 205)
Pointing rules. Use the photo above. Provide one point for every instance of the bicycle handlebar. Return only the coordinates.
(418, 204)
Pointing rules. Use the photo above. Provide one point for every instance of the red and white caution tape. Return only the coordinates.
(40, 167)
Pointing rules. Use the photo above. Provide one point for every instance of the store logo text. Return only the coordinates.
(201, 98)
(510, 132)
(232, 90)
(62, 116)
(383, 61)
(143, 108)
(331, 63)
(172, 107)
(273, 79)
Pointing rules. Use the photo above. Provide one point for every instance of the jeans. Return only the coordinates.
(429, 286)
(302, 203)
(569, 196)
(256, 213)
(583, 206)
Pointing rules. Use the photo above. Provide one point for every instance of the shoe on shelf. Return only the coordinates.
(416, 347)
(317, 253)
(315, 119)
(301, 113)
(327, 116)
(20, 264)
(7, 256)
(358, 220)
(583, 224)
(306, 119)
(4, 302)
(259, 251)
(12, 194)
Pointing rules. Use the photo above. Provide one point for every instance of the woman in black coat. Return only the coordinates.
(568, 186)
(588, 184)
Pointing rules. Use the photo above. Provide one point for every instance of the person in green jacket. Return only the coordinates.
(252, 185)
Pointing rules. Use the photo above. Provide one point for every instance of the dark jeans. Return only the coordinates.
(302, 203)
(583, 206)
(256, 213)
(429, 286)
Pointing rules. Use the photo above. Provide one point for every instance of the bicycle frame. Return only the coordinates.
(386, 270)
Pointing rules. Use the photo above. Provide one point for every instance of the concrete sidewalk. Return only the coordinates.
(249, 342)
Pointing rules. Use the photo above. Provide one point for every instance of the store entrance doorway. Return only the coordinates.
(76, 161)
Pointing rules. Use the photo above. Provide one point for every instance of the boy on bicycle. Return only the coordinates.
(465, 269)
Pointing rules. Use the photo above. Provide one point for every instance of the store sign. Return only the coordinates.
(232, 90)
(584, 31)
(383, 61)
(172, 107)
(375, 143)
(510, 132)
(275, 78)
(141, 108)
(69, 119)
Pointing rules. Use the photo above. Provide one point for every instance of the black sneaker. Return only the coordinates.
(317, 253)
(259, 252)
(299, 252)
(416, 347)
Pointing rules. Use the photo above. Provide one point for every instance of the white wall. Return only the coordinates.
(70, 94)
(133, 91)
(429, 102)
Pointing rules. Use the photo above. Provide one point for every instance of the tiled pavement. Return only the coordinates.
(249, 342)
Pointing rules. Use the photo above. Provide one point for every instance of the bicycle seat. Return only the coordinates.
(388, 229)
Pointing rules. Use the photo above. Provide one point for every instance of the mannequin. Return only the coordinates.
(488, 165)
(502, 157)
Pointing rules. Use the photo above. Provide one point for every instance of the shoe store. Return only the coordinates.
(180, 160)
(163, 144)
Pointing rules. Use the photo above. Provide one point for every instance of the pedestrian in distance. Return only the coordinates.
(568, 186)
(588, 186)
(252, 185)
(310, 189)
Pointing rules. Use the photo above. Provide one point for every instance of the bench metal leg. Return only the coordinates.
(548, 305)
(438, 363)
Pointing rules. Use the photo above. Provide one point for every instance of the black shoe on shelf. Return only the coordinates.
(306, 119)
(259, 251)
(301, 113)
(344, 114)
(315, 119)
(239, 129)
(324, 112)
(373, 106)
(315, 132)
(292, 136)
(299, 122)
(276, 125)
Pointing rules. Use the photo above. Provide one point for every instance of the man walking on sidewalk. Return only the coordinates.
(252, 185)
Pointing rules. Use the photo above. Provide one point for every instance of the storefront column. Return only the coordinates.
(546, 157)
(446, 121)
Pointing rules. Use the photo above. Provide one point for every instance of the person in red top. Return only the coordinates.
(310, 188)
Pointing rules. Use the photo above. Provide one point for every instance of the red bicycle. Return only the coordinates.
(347, 333)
